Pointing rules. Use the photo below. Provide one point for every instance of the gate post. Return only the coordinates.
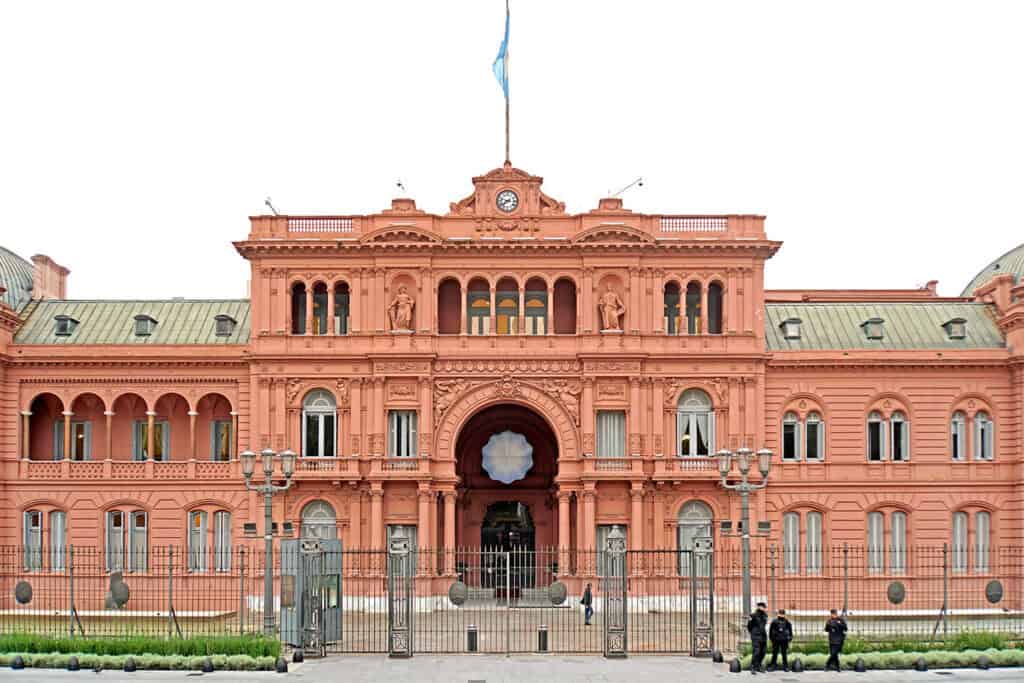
(399, 599)
(615, 595)
(702, 600)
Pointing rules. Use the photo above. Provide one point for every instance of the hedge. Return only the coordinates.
(37, 660)
(905, 660)
(964, 640)
(251, 646)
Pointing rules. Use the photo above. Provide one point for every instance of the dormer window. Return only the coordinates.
(225, 325)
(144, 325)
(873, 328)
(791, 328)
(955, 328)
(65, 325)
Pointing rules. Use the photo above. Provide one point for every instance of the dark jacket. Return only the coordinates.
(756, 626)
(781, 631)
(836, 629)
(588, 599)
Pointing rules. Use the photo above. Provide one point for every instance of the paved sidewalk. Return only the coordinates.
(516, 669)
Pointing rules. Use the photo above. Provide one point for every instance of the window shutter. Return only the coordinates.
(413, 443)
(58, 539)
(791, 542)
(813, 560)
(898, 543)
(165, 439)
(959, 542)
(982, 531)
(393, 434)
(875, 536)
(87, 455)
(136, 451)
(58, 440)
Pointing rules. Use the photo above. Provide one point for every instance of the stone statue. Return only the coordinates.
(611, 308)
(400, 310)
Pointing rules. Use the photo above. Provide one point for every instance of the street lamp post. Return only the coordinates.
(268, 489)
(743, 458)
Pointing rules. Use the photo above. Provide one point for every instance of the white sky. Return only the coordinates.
(882, 139)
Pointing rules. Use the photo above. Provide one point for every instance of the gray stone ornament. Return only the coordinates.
(120, 593)
(458, 593)
(23, 592)
(557, 593)
(896, 592)
(994, 591)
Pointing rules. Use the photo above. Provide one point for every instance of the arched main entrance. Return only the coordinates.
(506, 460)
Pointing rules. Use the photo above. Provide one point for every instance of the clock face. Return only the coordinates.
(507, 201)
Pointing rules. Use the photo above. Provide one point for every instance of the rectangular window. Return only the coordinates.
(983, 434)
(900, 440)
(956, 432)
(58, 540)
(402, 434)
(959, 542)
(815, 440)
(813, 543)
(982, 541)
(611, 434)
(876, 440)
(898, 543)
(790, 439)
(222, 541)
(220, 440)
(33, 540)
(876, 540)
(791, 543)
(608, 565)
(138, 543)
(81, 440)
(115, 541)
(197, 541)
(408, 532)
(161, 441)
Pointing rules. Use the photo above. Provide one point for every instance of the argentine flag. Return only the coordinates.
(500, 66)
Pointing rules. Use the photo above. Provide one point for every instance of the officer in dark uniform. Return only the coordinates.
(756, 627)
(836, 629)
(780, 633)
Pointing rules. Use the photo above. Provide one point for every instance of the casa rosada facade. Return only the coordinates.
(510, 375)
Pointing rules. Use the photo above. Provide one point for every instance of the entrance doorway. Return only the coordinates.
(508, 526)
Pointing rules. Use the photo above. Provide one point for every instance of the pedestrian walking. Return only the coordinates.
(588, 605)
(780, 633)
(836, 629)
(758, 637)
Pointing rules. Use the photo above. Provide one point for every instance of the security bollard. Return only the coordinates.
(471, 638)
(542, 638)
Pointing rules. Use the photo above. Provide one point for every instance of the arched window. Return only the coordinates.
(810, 543)
(790, 436)
(791, 543)
(876, 542)
(536, 305)
(895, 542)
(564, 307)
(319, 520)
(319, 308)
(876, 437)
(695, 424)
(693, 308)
(201, 538)
(673, 319)
(957, 434)
(982, 436)
(715, 308)
(960, 542)
(478, 307)
(319, 424)
(341, 308)
(814, 429)
(127, 538)
(507, 306)
(694, 522)
(299, 308)
(449, 298)
(899, 429)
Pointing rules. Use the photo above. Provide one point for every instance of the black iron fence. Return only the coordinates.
(489, 600)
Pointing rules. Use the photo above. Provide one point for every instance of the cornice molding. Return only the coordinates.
(755, 248)
(132, 380)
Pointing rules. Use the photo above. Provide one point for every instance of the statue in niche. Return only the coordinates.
(400, 310)
(611, 308)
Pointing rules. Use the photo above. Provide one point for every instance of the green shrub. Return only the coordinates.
(253, 646)
(975, 640)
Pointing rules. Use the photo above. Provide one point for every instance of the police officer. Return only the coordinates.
(758, 637)
(780, 633)
(836, 629)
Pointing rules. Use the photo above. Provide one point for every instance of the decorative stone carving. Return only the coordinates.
(672, 388)
(588, 443)
(401, 390)
(508, 386)
(294, 387)
(400, 311)
(342, 391)
(605, 390)
(568, 392)
(611, 309)
(445, 393)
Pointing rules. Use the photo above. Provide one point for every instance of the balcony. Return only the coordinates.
(326, 468)
(704, 468)
(613, 468)
(127, 470)
(399, 468)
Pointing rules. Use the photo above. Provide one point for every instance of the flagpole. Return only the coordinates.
(506, 103)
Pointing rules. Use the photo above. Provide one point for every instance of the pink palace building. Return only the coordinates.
(508, 373)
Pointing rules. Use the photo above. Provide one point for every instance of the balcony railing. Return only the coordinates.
(318, 224)
(694, 223)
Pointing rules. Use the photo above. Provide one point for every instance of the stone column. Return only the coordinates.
(564, 532)
(376, 519)
(589, 517)
(424, 421)
(67, 434)
(109, 440)
(587, 416)
(379, 424)
(449, 532)
(355, 519)
(380, 301)
(150, 436)
(635, 422)
(704, 308)
(549, 317)
(330, 309)
(463, 295)
(658, 415)
(423, 526)
(355, 301)
(633, 314)
(355, 401)
(309, 308)
(586, 295)
(494, 311)
(192, 434)
(424, 312)
(658, 542)
(636, 517)
(26, 435)
(234, 435)
(521, 318)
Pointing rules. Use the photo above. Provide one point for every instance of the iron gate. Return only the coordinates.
(311, 594)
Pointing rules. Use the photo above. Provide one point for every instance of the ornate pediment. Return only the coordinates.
(528, 199)
(402, 235)
(614, 234)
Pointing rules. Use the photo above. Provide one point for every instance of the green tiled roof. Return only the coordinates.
(16, 278)
(917, 325)
(1010, 263)
(179, 321)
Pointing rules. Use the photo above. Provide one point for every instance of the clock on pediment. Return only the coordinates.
(507, 201)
